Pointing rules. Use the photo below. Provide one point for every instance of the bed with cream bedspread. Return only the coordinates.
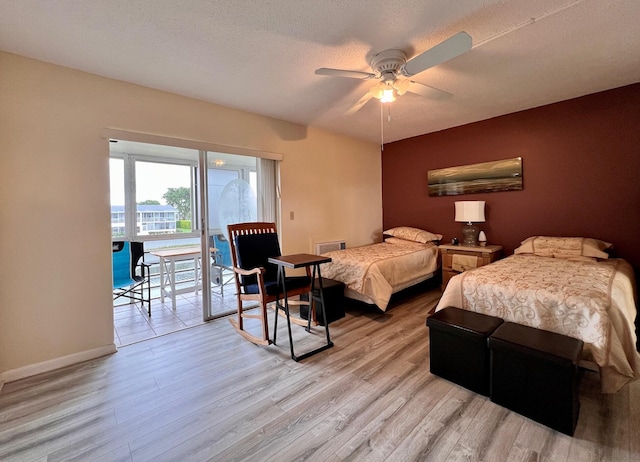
(372, 273)
(590, 300)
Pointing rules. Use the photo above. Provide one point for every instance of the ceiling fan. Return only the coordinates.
(389, 65)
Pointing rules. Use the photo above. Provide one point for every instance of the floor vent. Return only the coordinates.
(324, 247)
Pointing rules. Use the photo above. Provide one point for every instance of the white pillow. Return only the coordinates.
(412, 234)
(398, 241)
(564, 247)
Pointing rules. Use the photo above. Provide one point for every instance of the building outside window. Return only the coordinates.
(150, 220)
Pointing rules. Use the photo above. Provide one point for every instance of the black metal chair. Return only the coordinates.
(256, 280)
(127, 281)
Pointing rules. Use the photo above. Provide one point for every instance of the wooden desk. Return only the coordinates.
(168, 258)
(301, 260)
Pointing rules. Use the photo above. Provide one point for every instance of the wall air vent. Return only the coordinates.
(324, 247)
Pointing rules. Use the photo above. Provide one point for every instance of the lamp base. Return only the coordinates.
(470, 233)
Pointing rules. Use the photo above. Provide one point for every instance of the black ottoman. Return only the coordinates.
(333, 301)
(535, 373)
(458, 347)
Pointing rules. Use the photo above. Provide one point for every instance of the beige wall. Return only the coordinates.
(55, 293)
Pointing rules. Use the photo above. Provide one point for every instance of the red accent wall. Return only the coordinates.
(581, 172)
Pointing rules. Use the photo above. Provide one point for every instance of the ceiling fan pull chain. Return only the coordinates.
(381, 127)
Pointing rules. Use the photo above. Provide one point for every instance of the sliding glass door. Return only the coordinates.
(153, 200)
(230, 197)
(178, 202)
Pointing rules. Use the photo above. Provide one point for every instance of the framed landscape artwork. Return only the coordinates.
(499, 175)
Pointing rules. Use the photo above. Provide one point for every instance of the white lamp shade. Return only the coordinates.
(470, 211)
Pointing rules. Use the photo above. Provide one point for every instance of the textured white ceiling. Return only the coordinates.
(260, 56)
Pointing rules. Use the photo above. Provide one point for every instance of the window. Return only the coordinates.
(164, 197)
(153, 189)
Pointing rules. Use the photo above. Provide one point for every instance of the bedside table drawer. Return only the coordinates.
(458, 258)
(469, 261)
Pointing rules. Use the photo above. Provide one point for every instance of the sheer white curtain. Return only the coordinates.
(267, 186)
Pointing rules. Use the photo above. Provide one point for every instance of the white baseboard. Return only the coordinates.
(53, 364)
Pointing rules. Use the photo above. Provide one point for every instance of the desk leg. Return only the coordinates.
(324, 316)
(172, 277)
(312, 309)
(282, 280)
(163, 272)
(275, 321)
(286, 309)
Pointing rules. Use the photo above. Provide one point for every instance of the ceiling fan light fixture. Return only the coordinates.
(388, 95)
(402, 86)
(384, 92)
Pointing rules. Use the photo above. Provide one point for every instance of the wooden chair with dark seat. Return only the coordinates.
(256, 280)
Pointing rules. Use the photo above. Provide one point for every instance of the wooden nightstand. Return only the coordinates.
(481, 256)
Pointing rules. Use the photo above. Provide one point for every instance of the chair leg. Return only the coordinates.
(149, 295)
(238, 325)
(147, 277)
(240, 319)
(265, 323)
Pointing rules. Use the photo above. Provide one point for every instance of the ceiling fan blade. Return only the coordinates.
(344, 73)
(444, 51)
(358, 105)
(427, 91)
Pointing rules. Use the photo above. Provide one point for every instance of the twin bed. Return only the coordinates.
(564, 285)
(374, 272)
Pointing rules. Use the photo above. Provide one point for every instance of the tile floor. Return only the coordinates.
(133, 324)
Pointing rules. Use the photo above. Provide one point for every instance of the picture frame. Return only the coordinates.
(499, 175)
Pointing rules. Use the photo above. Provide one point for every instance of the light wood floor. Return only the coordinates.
(205, 393)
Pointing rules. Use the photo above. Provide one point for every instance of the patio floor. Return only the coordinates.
(133, 324)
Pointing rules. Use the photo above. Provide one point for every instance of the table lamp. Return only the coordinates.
(470, 212)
